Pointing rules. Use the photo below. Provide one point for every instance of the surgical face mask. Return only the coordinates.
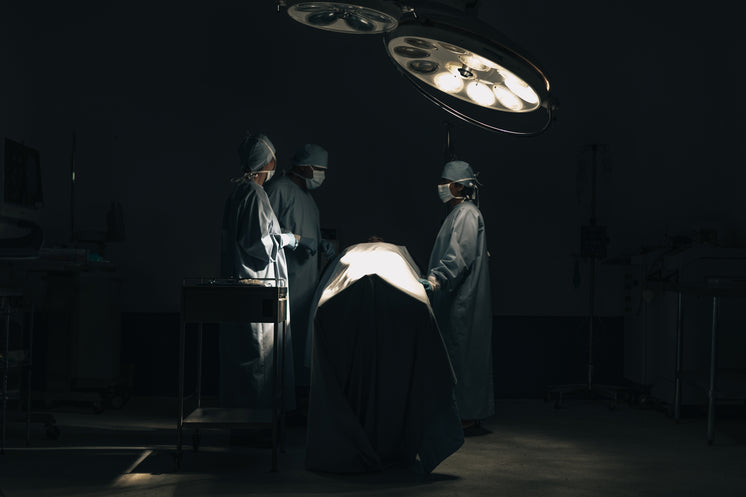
(313, 182)
(444, 192)
(268, 173)
(316, 180)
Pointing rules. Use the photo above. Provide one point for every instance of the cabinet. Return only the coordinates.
(83, 336)
(78, 335)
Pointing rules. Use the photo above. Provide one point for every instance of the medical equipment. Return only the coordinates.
(451, 57)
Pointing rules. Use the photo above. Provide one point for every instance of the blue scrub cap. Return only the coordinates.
(311, 155)
(459, 171)
(255, 151)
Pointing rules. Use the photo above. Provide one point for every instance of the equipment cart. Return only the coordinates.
(205, 300)
(15, 367)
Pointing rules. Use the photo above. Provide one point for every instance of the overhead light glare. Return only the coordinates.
(477, 63)
(507, 98)
(481, 93)
(448, 82)
(521, 89)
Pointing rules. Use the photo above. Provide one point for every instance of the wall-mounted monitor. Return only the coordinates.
(20, 197)
(21, 182)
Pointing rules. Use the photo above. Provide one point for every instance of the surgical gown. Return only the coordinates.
(462, 307)
(297, 213)
(249, 250)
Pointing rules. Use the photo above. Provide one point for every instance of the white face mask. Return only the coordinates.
(316, 180)
(268, 173)
(444, 192)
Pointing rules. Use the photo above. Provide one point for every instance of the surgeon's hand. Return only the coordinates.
(308, 245)
(287, 240)
(328, 248)
(431, 284)
(428, 286)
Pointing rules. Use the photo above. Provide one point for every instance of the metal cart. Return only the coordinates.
(205, 300)
(18, 358)
(734, 386)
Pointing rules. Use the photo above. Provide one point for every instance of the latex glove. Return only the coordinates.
(431, 284)
(428, 286)
(286, 240)
(328, 248)
(308, 244)
(289, 240)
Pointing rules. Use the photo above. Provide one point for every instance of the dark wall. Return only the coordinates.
(529, 354)
(159, 96)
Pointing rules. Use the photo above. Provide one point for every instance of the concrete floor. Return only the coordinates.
(530, 449)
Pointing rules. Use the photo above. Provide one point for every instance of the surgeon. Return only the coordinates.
(297, 212)
(459, 288)
(252, 247)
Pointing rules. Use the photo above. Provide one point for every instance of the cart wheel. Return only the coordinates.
(196, 438)
(117, 401)
(116, 398)
(52, 432)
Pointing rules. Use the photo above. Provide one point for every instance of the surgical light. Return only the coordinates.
(360, 17)
(480, 93)
(521, 89)
(449, 83)
(459, 63)
(495, 78)
(507, 98)
(472, 74)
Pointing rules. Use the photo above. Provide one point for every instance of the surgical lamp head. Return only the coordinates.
(470, 70)
(459, 63)
(351, 16)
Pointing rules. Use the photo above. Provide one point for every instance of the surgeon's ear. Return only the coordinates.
(456, 189)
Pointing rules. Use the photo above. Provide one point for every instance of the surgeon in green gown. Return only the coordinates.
(297, 212)
(458, 284)
(252, 246)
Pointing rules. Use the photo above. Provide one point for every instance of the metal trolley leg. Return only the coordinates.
(4, 385)
(180, 425)
(275, 356)
(711, 393)
(677, 359)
